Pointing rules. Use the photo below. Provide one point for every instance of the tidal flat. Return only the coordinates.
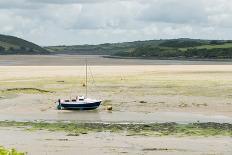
(145, 99)
(109, 138)
(193, 89)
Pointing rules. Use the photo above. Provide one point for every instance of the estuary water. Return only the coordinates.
(117, 117)
(95, 60)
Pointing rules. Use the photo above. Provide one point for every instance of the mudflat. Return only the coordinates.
(138, 94)
(58, 143)
(142, 90)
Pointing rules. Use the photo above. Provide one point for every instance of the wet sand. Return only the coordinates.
(111, 117)
(58, 143)
(181, 93)
(30, 107)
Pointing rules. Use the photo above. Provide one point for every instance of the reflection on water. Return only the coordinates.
(93, 115)
(117, 117)
(7, 63)
(96, 60)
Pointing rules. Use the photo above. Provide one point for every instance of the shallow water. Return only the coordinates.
(118, 117)
(79, 60)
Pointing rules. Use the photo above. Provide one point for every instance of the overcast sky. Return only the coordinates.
(67, 22)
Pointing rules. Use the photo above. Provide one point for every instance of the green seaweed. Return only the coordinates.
(25, 90)
(4, 151)
(155, 129)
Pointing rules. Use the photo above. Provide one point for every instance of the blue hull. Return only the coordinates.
(87, 106)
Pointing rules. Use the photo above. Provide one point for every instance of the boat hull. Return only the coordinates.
(86, 106)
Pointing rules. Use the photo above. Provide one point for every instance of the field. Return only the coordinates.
(144, 98)
(226, 45)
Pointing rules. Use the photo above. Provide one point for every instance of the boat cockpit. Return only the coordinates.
(78, 98)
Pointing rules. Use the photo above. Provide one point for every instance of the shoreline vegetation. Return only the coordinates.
(131, 129)
(182, 49)
(166, 58)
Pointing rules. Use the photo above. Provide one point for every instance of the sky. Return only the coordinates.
(72, 22)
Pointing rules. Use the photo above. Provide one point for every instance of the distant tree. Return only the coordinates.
(22, 48)
(31, 51)
(11, 49)
(149, 51)
(181, 43)
(229, 41)
(2, 48)
(217, 42)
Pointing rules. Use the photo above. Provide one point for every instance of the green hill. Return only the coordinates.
(14, 45)
(183, 49)
(101, 49)
(158, 49)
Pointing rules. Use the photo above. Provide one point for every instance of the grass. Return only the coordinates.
(4, 151)
(226, 45)
(155, 129)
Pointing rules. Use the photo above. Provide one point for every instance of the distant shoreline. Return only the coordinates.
(98, 60)
(155, 58)
(122, 57)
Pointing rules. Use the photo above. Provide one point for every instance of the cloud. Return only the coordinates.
(52, 22)
(220, 13)
(175, 11)
(68, 1)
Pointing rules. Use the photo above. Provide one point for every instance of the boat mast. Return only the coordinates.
(86, 78)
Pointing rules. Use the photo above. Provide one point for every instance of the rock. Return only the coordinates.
(109, 108)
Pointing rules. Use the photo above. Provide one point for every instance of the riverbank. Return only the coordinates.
(168, 58)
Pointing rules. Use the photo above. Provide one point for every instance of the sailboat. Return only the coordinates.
(80, 102)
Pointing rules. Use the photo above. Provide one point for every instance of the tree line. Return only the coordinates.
(157, 52)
